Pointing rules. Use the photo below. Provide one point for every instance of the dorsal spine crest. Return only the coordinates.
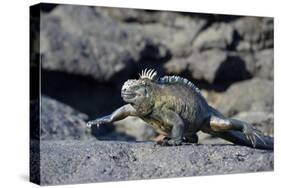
(179, 80)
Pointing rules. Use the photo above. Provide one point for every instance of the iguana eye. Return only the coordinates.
(146, 92)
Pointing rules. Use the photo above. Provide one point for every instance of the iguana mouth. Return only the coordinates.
(128, 95)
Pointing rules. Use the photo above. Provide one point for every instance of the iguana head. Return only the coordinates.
(140, 91)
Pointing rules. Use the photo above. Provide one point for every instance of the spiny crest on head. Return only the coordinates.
(148, 74)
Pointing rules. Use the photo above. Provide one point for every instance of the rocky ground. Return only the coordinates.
(79, 161)
(88, 52)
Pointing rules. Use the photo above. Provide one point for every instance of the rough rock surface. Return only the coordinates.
(70, 44)
(264, 64)
(113, 50)
(61, 122)
(250, 95)
(111, 44)
(213, 65)
(80, 162)
(256, 33)
(259, 64)
(216, 36)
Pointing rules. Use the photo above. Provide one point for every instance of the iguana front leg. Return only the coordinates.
(120, 113)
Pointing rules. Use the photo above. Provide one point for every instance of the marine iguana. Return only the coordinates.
(175, 108)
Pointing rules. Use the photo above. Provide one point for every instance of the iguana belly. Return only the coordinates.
(158, 126)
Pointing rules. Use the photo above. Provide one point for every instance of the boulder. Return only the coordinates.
(177, 66)
(61, 122)
(81, 40)
(205, 65)
(219, 35)
(84, 161)
(129, 15)
(187, 30)
(90, 41)
(264, 64)
(177, 35)
(143, 16)
(250, 95)
(250, 61)
(176, 30)
(259, 64)
(211, 66)
(256, 33)
(136, 128)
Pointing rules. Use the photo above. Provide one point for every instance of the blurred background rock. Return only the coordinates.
(88, 52)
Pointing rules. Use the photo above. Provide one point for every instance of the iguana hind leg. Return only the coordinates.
(176, 136)
(218, 124)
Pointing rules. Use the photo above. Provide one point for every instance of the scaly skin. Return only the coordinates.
(174, 107)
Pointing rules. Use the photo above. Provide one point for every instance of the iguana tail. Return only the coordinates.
(239, 138)
(239, 132)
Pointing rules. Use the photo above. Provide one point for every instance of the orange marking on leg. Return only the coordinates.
(158, 138)
(218, 124)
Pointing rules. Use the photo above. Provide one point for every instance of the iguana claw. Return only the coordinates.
(98, 122)
(89, 124)
(171, 142)
(252, 134)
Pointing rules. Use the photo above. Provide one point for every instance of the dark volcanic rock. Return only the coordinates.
(250, 95)
(130, 15)
(256, 32)
(219, 35)
(90, 41)
(81, 40)
(71, 44)
(210, 65)
(142, 16)
(111, 44)
(265, 64)
(205, 65)
(61, 122)
(81, 93)
(174, 29)
(80, 162)
(250, 61)
(259, 64)
(177, 35)
(176, 66)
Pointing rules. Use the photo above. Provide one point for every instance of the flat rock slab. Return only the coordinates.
(66, 162)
